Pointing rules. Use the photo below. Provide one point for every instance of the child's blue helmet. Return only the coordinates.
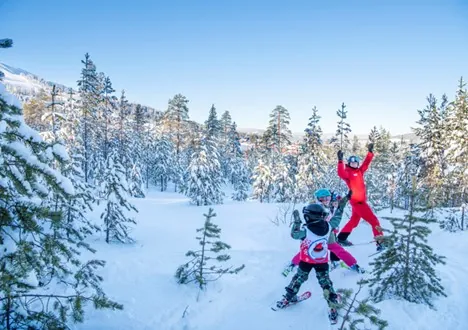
(353, 159)
(321, 193)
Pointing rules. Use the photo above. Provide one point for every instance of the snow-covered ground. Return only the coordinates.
(141, 276)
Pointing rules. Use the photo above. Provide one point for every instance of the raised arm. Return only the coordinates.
(338, 215)
(366, 162)
(341, 167)
(297, 232)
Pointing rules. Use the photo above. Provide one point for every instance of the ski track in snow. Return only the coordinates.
(141, 276)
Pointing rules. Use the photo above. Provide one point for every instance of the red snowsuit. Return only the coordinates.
(354, 178)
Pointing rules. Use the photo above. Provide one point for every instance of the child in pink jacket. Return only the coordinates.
(336, 204)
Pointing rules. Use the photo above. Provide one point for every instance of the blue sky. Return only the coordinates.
(382, 58)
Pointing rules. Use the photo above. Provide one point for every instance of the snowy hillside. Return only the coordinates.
(142, 276)
(25, 84)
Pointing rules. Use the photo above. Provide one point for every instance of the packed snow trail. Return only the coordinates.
(141, 276)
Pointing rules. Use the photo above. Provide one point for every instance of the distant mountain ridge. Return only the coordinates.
(326, 136)
(26, 85)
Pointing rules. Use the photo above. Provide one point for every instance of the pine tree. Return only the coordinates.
(116, 193)
(279, 136)
(200, 268)
(263, 182)
(241, 180)
(356, 148)
(40, 249)
(137, 179)
(311, 160)
(341, 139)
(457, 126)
(226, 125)
(432, 145)
(355, 312)
(378, 177)
(203, 178)
(177, 115)
(406, 269)
(89, 97)
(123, 134)
(213, 125)
(163, 161)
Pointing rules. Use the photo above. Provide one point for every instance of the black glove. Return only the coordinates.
(349, 194)
(297, 217)
(370, 147)
(340, 155)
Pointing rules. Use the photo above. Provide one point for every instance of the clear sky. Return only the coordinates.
(382, 58)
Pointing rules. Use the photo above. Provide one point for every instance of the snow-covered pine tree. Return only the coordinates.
(116, 194)
(241, 179)
(378, 175)
(163, 160)
(137, 180)
(40, 250)
(262, 182)
(406, 269)
(203, 177)
(213, 125)
(356, 148)
(88, 87)
(284, 184)
(226, 126)
(457, 126)
(201, 268)
(312, 160)
(176, 123)
(53, 117)
(123, 134)
(279, 134)
(176, 117)
(356, 312)
(432, 146)
(341, 139)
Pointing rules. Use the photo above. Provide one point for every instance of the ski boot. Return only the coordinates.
(344, 242)
(286, 301)
(380, 247)
(333, 316)
(357, 269)
(334, 265)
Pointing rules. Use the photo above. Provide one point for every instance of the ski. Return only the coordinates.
(281, 305)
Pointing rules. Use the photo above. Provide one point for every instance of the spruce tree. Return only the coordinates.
(241, 180)
(116, 194)
(262, 182)
(89, 100)
(279, 136)
(457, 126)
(203, 266)
(406, 269)
(226, 125)
(213, 125)
(137, 180)
(356, 312)
(356, 148)
(203, 177)
(177, 115)
(341, 139)
(311, 161)
(40, 247)
(432, 146)
(163, 160)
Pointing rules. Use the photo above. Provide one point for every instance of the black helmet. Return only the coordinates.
(314, 213)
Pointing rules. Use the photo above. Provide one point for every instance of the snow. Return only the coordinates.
(9, 98)
(141, 276)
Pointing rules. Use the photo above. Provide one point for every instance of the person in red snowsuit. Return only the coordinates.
(353, 175)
